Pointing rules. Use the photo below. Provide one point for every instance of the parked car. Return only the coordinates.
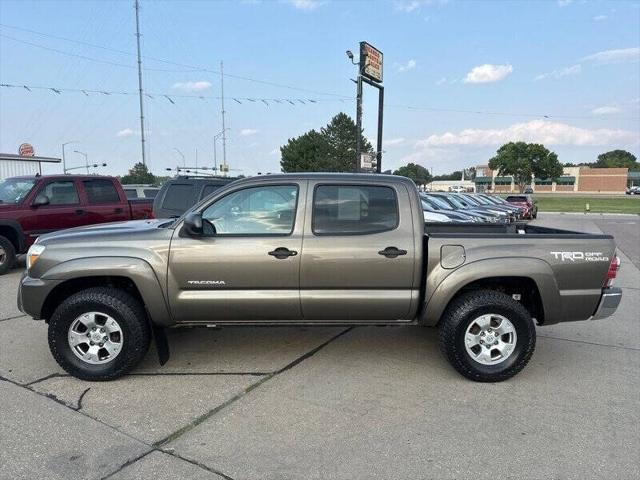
(470, 202)
(34, 205)
(497, 200)
(527, 203)
(457, 189)
(313, 249)
(528, 190)
(179, 194)
(433, 205)
(140, 191)
(458, 206)
(633, 191)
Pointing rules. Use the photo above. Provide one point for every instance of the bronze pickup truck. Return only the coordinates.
(313, 249)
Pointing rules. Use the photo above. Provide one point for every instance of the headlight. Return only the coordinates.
(33, 254)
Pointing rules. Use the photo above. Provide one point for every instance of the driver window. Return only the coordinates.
(268, 210)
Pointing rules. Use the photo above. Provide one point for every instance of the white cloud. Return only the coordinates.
(488, 73)
(564, 3)
(275, 151)
(410, 65)
(600, 18)
(410, 6)
(192, 86)
(125, 132)
(307, 5)
(563, 72)
(537, 131)
(442, 81)
(606, 110)
(246, 132)
(393, 141)
(621, 55)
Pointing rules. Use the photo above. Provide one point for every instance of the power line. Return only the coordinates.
(171, 96)
(190, 68)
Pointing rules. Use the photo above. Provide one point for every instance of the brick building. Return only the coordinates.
(573, 179)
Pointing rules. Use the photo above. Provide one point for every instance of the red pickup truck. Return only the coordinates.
(32, 206)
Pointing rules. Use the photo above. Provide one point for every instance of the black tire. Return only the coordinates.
(463, 311)
(8, 259)
(118, 304)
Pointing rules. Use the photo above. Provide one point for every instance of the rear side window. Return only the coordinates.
(131, 193)
(150, 192)
(179, 196)
(209, 189)
(101, 191)
(354, 210)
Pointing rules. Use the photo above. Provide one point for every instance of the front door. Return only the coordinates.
(64, 209)
(103, 203)
(247, 265)
(359, 253)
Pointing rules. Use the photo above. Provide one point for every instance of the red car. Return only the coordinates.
(526, 202)
(32, 206)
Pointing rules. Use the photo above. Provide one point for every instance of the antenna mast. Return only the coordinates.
(137, 7)
(224, 130)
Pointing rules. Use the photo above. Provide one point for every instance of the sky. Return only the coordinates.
(461, 78)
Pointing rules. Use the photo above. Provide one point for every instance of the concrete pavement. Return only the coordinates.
(367, 402)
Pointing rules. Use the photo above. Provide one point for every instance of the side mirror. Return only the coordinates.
(193, 224)
(40, 201)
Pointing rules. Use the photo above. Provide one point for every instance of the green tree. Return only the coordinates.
(524, 160)
(333, 149)
(617, 159)
(139, 174)
(415, 172)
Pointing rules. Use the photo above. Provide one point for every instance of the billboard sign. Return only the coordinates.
(373, 62)
(26, 150)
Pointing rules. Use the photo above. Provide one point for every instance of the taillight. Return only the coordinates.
(614, 266)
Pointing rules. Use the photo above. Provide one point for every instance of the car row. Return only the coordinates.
(472, 208)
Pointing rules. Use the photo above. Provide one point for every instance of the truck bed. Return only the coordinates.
(474, 230)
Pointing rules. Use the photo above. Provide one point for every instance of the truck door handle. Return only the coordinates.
(117, 210)
(79, 212)
(283, 252)
(392, 252)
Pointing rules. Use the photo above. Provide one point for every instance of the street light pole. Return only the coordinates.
(360, 64)
(86, 160)
(64, 162)
(215, 148)
(184, 162)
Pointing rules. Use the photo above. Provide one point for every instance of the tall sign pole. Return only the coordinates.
(224, 129)
(370, 72)
(140, 94)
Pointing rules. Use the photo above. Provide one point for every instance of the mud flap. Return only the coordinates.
(162, 344)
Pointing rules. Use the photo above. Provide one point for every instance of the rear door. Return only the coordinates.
(103, 203)
(249, 269)
(359, 253)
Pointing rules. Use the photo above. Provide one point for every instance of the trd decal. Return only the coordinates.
(580, 256)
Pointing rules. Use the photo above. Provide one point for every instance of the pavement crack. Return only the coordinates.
(11, 318)
(190, 426)
(48, 377)
(196, 463)
(79, 406)
(169, 374)
(127, 463)
(591, 343)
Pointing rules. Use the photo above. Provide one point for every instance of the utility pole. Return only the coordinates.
(359, 113)
(140, 94)
(224, 130)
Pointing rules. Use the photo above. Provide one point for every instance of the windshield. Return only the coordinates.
(440, 203)
(472, 202)
(13, 190)
(429, 203)
(516, 199)
(454, 201)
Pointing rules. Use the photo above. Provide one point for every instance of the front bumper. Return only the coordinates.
(608, 303)
(32, 293)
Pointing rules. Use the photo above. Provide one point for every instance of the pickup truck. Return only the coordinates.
(313, 249)
(35, 205)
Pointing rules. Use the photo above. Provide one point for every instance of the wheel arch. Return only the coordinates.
(533, 279)
(12, 231)
(130, 274)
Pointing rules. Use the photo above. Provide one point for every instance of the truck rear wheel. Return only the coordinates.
(99, 334)
(7, 255)
(487, 336)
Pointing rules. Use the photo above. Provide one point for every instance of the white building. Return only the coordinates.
(16, 165)
(450, 185)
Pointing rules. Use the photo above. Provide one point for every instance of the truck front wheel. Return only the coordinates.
(487, 336)
(99, 334)
(7, 255)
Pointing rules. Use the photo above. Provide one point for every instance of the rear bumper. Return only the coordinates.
(608, 303)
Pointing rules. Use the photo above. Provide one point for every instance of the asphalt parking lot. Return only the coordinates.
(321, 403)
